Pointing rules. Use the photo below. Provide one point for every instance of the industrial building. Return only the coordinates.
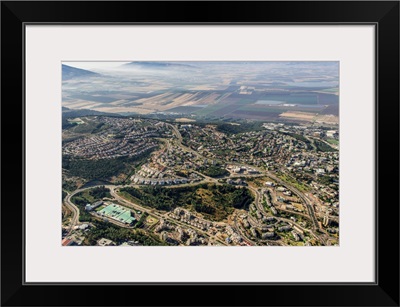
(117, 213)
(90, 207)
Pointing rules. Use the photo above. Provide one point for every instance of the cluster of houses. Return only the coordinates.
(97, 147)
(118, 137)
(175, 234)
(233, 236)
(188, 218)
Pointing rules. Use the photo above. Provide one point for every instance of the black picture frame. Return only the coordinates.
(383, 14)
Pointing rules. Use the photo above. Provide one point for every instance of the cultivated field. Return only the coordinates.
(299, 115)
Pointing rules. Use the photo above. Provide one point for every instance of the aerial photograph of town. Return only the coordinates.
(200, 153)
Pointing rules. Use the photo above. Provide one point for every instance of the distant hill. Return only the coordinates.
(69, 113)
(69, 72)
(156, 65)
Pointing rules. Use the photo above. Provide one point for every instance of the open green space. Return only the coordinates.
(322, 146)
(297, 184)
(214, 171)
(215, 201)
(333, 141)
(228, 128)
(90, 126)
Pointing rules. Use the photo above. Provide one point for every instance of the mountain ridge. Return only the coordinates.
(70, 72)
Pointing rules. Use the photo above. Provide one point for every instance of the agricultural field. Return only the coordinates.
(303, 116)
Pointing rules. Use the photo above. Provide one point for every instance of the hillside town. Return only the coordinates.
(200, 184)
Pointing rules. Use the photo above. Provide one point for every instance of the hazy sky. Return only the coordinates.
(94, 64)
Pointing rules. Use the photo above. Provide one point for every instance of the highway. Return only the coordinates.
(300, 195)
(74, 209)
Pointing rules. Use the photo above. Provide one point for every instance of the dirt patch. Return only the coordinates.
(184, 120)
(299, 115)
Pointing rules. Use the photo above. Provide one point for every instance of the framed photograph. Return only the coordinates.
(242, 150)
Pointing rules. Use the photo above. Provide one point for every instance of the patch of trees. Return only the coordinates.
(158, 198)
(240, 128)
(71, 113)
(102, 169)
(325, 180)
(202, 208)
(119, 136)
(98, 127)
(88, 127)
(220, 201)
(91, 196)
(298, 137)
(321, 146)
(119, 235)
(80, 201)
(214, 171)
(239, 198)
(146, 239)
(181, 174)
(65, 124)
(142, 219)
(100, 192)
(88, 197)
(222, 152)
